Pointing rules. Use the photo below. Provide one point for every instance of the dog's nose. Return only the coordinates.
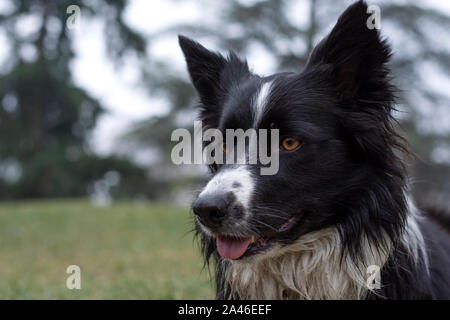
(211, 209)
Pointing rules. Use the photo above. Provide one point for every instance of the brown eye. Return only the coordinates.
(290, 144)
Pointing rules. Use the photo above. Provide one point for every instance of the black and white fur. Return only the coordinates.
(345, 186)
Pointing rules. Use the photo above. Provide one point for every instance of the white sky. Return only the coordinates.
(125, 99)
(119, 91)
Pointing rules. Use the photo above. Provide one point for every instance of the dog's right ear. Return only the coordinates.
(204, 67)
(358, 57)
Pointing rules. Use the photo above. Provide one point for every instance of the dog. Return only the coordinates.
(336, 221)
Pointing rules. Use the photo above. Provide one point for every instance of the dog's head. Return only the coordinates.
(336, 151)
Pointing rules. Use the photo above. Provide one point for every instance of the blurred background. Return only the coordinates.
(87, 107)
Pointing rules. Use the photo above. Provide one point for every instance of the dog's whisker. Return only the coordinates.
(265, 224)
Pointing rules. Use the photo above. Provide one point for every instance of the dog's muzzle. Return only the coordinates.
(213, 209)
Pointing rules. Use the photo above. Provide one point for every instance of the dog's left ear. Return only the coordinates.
(357, 55)
(205, 68)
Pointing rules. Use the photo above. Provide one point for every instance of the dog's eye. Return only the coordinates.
(290, 144)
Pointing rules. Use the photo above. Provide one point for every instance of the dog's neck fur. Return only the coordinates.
(314, 268)
(310, 268)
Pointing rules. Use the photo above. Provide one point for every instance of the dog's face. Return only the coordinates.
(326, 116)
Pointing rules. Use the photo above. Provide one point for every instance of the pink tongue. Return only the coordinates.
(232, 248)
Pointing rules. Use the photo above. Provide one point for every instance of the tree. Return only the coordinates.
(46, 119)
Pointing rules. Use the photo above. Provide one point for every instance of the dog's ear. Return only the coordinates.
(357, 56)
(204, 67)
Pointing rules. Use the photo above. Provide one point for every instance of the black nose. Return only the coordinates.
(211, 209)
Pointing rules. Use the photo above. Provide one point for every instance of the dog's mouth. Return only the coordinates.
(232, 247)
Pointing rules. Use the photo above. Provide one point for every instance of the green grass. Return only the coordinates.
(125, 251)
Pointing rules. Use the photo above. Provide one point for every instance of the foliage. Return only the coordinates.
(46, 119)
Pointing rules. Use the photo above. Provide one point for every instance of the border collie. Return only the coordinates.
(339, 203)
